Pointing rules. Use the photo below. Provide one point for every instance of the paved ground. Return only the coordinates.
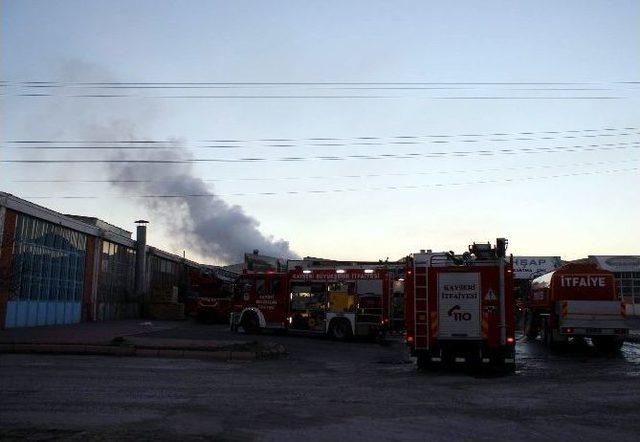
(97, 333)
(323, 390)
(135, 338)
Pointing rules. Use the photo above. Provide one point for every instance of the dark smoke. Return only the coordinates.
(208, 224)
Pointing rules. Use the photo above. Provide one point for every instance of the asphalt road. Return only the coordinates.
(323, 390)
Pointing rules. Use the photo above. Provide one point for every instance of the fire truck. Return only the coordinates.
(577, 300)
(459, 309)
(340, 303)
(210, 291)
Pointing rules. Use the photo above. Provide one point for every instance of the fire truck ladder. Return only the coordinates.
(421, 308)
(426, 325)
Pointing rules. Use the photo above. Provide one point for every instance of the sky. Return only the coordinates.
(425, 90)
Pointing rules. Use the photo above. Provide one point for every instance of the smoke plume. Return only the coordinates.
(191, 211)
(204, 224)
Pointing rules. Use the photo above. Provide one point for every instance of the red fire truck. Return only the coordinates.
(341, 303)
(459, 309)
(210, 291)
(576, 301)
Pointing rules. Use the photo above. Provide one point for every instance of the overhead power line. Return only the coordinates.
(319, 97)
(413, 155)
(242, 84)
(328, 90)
(326, 177)
(319, 142)
(285, 83)
(341, 190)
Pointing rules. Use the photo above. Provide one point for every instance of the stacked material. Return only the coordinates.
(164, 295)
(164, 305)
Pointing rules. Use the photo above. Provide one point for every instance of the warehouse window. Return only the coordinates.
(629, 286)
(48, 262)
(117, 273)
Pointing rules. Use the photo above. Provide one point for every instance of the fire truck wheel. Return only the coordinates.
(204, 318)
(547, 334)
(340, 329)
(510, 367)
(250, 323)
(607, 344)
(424, 362)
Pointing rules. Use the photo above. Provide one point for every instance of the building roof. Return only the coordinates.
(28, 208)
(617, 263)
(101, 224)
(84, 224)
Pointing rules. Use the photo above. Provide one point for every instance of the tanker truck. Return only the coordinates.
(573, 302)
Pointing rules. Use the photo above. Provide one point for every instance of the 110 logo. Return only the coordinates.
(458, 315)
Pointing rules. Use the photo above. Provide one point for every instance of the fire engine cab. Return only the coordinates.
(340, 303)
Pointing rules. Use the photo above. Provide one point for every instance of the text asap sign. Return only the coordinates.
(529, 267)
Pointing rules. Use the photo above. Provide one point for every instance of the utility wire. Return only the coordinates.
(236, 140)
(326, 177)
(320, 97)
(285, 83)
(500, 90)
(309, 142)
(414, 155)
(330, 84)
(341, 190)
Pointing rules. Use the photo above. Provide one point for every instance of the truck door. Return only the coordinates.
(459, 305)
(308, 306)
(370, 301)
(272, 297)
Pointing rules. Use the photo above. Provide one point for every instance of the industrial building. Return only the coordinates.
(63, 269)
(626, 270)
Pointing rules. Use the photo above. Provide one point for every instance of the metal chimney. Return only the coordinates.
(141, 254)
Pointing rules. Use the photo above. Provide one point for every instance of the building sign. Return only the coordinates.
(529, 267)
(618, 264)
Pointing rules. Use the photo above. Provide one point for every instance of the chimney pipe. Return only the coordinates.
(141, 254)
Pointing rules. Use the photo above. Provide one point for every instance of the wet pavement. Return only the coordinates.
(323, 390)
